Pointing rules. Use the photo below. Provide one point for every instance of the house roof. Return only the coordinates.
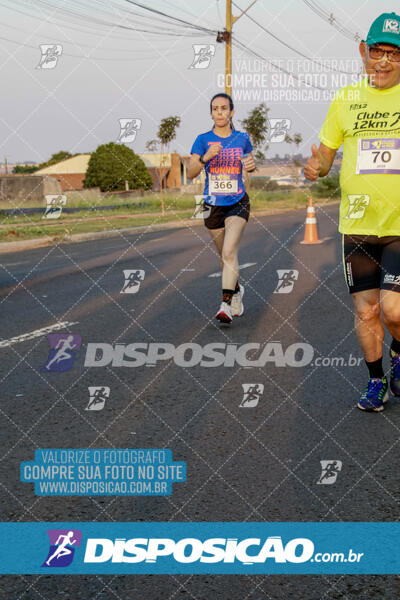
(76, 164)
(156, 160)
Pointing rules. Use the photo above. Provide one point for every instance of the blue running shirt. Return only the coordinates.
(224, 184)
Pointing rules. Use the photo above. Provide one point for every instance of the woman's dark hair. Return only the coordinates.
(231, 106)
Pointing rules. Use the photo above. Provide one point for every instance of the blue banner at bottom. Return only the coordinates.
(199, 548)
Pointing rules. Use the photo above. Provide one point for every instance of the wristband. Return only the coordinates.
(203, 162)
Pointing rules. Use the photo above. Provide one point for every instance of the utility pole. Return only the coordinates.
(226, 36)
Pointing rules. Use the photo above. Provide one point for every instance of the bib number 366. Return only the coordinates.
(220, 184)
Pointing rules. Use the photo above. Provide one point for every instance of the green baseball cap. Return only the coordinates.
(385, 29)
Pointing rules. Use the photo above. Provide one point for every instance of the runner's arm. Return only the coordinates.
(320, 163)
(195, 166)
(327, 157)
(249, 163)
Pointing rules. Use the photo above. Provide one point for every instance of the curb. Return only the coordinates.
(7, 247)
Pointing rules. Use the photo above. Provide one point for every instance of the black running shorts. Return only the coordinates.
(218, 214)
(371, 262)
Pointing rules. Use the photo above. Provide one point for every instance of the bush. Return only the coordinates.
(327, 186)
(113, 164)
(263, 183)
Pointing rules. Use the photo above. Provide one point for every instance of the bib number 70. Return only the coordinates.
(385, 156)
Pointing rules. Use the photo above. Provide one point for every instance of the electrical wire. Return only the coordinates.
(177, 19)
(249, 50)
(317, 62)
(329, 18)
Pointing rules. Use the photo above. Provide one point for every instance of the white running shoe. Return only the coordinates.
(224, 314)
(237, 307)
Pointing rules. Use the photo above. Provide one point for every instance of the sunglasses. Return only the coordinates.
(377, 53)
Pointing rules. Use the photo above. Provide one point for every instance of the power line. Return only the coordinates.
(110, 24)
(92, 58)
(243, 46)
(317, 62)
(331, 19)
(177, 19)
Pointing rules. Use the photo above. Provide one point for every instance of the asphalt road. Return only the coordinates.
(243, 464)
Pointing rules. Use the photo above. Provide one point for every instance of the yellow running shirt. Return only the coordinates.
(367, 121)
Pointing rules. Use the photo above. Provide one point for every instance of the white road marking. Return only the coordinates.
(244, 266)
(37, 333)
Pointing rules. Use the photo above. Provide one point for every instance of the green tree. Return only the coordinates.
(165, 134)
(110, 165)
(25, 168)
(152, 145)
(56, 158)
(256, 127)
(296, 140)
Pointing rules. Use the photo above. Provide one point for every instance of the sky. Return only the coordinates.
(107, 70)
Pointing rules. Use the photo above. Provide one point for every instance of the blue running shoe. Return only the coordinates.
(395, 373)
(375, 395)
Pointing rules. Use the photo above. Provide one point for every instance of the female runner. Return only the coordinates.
(221, 152)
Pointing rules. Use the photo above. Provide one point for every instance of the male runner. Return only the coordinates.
(365, 117)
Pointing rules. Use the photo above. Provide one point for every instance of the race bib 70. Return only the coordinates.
(378, 156)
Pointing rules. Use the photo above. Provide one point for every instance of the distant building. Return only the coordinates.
(170, 169)
(70, 172)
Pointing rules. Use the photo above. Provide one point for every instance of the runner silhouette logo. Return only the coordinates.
(50, 55)
(329, 471)
(287, 279)
(133, 279)
(62, 352)
(203, 54)
(97, 397)
(357, 206)
(251, 394)
(62, 547)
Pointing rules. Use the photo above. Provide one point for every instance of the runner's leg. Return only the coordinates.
(218, 239)
(368, 324)
(234, 227)
(391, 316)
(390, 302)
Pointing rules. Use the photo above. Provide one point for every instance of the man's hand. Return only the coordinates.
(313, 166)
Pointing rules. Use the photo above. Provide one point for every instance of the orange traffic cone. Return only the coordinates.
(311, 232)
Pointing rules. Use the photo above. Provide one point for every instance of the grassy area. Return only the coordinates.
(143, 211)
